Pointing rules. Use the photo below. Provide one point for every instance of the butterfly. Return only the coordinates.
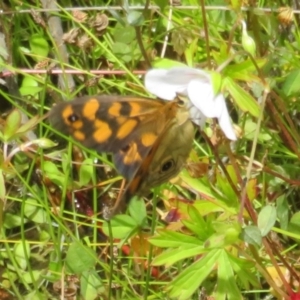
(149, 139)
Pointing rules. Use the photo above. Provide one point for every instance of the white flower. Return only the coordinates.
(197, 86)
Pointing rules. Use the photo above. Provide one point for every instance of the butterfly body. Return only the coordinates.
(149, 139)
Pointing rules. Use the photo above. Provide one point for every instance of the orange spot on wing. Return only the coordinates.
(77, 124)
(103, 131)
(90, 108)
(70, 118)
(79, 135)
(66, 113)
(115, 108)
(126, 129)
(135, 109)
(132, 155)
(148, 139)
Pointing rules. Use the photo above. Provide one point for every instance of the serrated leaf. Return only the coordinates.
(266, 219)
(189, 280)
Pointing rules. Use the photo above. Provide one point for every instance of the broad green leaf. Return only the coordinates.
(252, 235)
(124, 35)
(91, 286)
(244, 70)
(266, 219)
(52, 172)
(34, 212)
(22, 254)
(137, 210)
(30, 87)
(135, 18)
(80, 258)
(13, 220)
(32, 277)
(12, 124)
(39, 46)
(86, 172)
(291, 84)
(122, 226)
(243, 99)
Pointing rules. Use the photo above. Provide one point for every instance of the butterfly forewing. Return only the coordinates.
(126, 126)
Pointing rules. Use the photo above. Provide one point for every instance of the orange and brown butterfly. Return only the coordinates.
(150, 139)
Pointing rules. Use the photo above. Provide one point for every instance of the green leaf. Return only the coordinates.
(91, 286)
(197, 224)
(122, 226)
(168, 239)
(166, 63)
(86, 172)
(137, 210)
(252, 235)
(80, 258)
(124, 35)
(52, 172)
(294, 225)
(39, 46)
(29, 125)
(30, 87)
(171, 256)
(226, 286)
(135, 18)
(12, 124)
(189, 280)
(266, 219)
(243, 99)
(22, 254)
(34, 212)
(291, 84)
(282, 211)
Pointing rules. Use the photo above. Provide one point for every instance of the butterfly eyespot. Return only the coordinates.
(73, 118)
(166, 166)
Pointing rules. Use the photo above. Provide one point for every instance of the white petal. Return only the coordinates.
(225, 124)
(158, 82)
(197, 116)
(202, 96)
(183, 75)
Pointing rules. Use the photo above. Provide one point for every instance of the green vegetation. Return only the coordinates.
(227, 227)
